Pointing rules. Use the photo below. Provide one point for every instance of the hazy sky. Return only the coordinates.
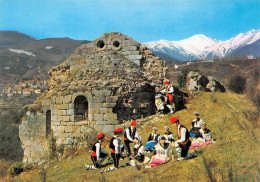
(144, 20)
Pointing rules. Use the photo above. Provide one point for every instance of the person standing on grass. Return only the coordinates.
(183, 143)
(97, 155)
(115, 149)
(130, 135)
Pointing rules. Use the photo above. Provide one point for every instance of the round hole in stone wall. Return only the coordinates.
(100, 44)
(116, 43)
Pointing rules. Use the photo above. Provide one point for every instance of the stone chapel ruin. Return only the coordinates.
(108, 81)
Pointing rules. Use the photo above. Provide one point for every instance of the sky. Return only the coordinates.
(143, 20)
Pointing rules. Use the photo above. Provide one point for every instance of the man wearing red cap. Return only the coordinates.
(183, 143)
(97, 155)
(115, 149)
(169, 95)
(130, 135)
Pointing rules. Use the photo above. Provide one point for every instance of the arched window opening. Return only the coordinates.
(80, 108)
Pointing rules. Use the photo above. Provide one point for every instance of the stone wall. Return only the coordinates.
(32, 134)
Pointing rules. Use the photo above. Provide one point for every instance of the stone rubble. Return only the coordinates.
(197, 82)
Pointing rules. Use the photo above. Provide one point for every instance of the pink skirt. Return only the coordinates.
(197, 145)
(156, 162)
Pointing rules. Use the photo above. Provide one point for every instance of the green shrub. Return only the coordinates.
(182, 81)
(16, 168)
(237, 84)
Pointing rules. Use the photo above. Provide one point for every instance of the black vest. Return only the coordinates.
(187, 133)
(132, 134)
(151, 137)
(111, 145)
(94, 148)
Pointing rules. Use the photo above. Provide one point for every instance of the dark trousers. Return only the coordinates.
(139, 158)
(185, 149)
(127, 144)
(115, 158)
(103, 155)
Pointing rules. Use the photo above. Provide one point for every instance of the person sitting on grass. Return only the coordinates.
(97, 155)
(129, 135)
(162, 153)
(195, 125)
(139, 151)
(204, 138)
(152, 140)
(137, 156)
(168, 135)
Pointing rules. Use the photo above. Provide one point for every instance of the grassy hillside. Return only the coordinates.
(234, 157)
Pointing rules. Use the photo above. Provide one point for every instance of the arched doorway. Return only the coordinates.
(48, 123)
(80, 108)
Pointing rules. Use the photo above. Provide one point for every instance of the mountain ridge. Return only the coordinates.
(21, 56)
(200, 46)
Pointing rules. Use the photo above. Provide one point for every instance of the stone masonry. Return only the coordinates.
(197, 82)
(108, 81)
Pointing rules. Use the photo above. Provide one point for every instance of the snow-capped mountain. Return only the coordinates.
(201, 47)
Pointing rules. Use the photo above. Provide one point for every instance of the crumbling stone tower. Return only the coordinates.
(105, 82)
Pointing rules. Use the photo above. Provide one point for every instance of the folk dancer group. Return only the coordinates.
(160, 145)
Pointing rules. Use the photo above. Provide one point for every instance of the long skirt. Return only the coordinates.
(156, 162)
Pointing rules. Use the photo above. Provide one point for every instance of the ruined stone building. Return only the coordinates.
(197, 82)
(108, 81)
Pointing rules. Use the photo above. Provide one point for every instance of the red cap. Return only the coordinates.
(118, 130)
(174, 120)
(166, 82)
(101, 135)
(133, 122)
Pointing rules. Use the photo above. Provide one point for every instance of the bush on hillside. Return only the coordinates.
(15, 168)
(10, 144)
(181, 81)
(237, 84)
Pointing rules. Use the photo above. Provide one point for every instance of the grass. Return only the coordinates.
(234, 157)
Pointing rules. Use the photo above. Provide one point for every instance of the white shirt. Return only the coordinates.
(197, 124)
(168, 138)
(98, 148)
(128, 134)
(116, 144)
(161, 152)
(206, 136)
(183, 134)
(140, 149)
(169, 89)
